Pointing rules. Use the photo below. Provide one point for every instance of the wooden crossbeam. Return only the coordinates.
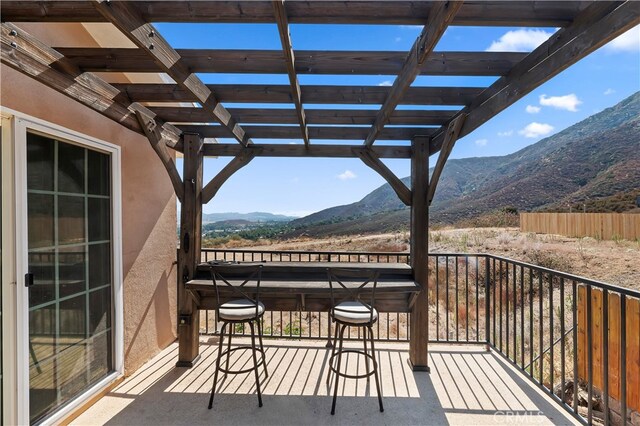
(127, 19)
(314, 116)
(477, 13)
(440, 16)
(315, 132)
(595, 26)
(371, 159)
(27, 54)
(311, 94)
(243, 158)
(307, 61)
(453, 131)
(158, 143)
(285, 39)
(314, 150)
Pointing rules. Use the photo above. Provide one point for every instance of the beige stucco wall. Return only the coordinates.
(148, 214)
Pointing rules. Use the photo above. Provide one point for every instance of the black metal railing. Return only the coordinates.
(542, 321)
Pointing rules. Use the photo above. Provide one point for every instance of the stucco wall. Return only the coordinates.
(148, 214)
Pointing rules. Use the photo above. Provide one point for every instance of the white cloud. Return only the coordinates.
(481, 142)
(568, 102)
(386, 83)
(505, 134)
(609, 91)
(535, 130)
(348, 174)
(627, 42)
(523, 40)
(531, 109)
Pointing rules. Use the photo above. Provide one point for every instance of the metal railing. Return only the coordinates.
(539, 319)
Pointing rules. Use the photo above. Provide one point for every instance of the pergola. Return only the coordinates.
(583, 28)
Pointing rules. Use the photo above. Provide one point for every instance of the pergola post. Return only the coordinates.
(418, 353)
(189, 253)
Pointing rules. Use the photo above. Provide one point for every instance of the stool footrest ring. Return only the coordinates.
(227, 353)
(353, 376)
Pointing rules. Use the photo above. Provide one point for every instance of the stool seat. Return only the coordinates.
(239, 310)
(354, 312)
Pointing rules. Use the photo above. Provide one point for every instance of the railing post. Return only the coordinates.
(487, 302)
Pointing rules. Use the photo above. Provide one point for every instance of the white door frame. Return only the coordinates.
(22, 123)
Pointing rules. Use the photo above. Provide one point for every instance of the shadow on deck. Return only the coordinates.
(466, 386)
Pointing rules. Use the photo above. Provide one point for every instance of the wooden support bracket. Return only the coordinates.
(371, 159)
(453, 131)
(239, 161)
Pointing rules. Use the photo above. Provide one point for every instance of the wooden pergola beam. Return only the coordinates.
(285, 39)
(27, 54)
(295, 151)
(315, 132)
(311, 94)
(477, 13)
(239, 161)
(127, 19)
(158, 143)
(595, 26)
(371, 159)
(440, 16)
(453, 132)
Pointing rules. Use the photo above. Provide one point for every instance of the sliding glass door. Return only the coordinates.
(70, 271)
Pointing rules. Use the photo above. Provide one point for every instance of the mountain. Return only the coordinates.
(596, 158)
(249, 217)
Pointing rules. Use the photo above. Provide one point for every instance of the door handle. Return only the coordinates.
(28, 279)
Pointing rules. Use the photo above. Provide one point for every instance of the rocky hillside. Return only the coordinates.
(596, 158)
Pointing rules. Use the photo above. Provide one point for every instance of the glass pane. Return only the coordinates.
(71, 270)
(99, 172)
(70, 168)
(40, 222)
(42, 266)
(100, 362)
(99, 219)
(72, 317)
(72, 371)
(40, 152)
(99, 310)
(99, 265)
(42, 334)
(71, 220)
(43, 390)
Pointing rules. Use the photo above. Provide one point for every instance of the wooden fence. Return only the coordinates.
(606, 226)
(632, 322)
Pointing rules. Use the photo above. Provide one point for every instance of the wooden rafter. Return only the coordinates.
(307, 61)
(314, 150)
(315, 132)
(453, 131)
(289, 57)
(313, 94)
(369, 157)
(158, 143)
(24, 52)
(440, 16)
(595, 26)
(127, 19)
(239, 161)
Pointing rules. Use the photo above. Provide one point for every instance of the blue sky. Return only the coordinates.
(302, 186)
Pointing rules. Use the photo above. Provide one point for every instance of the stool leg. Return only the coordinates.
(376, 371)
(335, 389)
(255, 362)
(232, 331)
(260, 325)
(366, 358)
(333, 351)
(215, 374)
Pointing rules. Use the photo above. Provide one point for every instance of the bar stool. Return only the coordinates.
(351, 311)
(244, 309)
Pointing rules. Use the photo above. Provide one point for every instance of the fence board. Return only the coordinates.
(632, 347)
(607, 226)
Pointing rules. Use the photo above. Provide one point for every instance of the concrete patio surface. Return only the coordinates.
(466, 386)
